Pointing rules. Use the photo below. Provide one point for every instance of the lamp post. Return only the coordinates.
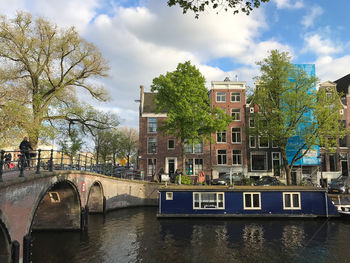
(320, 169)
(153, 150)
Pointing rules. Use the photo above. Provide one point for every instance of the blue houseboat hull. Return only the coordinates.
(278, 201)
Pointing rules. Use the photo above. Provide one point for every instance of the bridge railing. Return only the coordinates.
(17, 162)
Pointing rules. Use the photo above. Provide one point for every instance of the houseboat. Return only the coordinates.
(245, 201)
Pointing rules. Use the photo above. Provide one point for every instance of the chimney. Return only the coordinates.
(141, 98)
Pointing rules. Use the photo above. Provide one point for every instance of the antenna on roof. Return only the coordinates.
(227, 79)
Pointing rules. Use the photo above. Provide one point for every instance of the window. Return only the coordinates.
(208, 200)
(276, 163)
(274, 144)
(171, 144)
(332, 163)
(189, 166)
(152, 145)
(235, 97)
(152, 125)
(258, 161)
(291, 201)
(252, 141)
(236, 114)
(220, 96)
(263, 142)
(198, 165)
(222, 157)
(251, 123)
(54, 197)
(236, 135)
(236, 157)
(188, 147)
(252, 201)
(169, 196)
(221, 136)
(342, 141)
(193, 148)
(198, 148)
(151, 166)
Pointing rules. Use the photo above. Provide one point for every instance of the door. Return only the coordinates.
(294, 178)
(344, 168)
(171, 166)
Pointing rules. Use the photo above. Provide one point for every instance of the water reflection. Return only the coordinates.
(135, 235)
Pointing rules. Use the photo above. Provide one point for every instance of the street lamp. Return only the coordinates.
(320, 169)
(153, 150)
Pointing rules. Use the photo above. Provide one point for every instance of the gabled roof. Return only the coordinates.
(149, 105)
(343, 84)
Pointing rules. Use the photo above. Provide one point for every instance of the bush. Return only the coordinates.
(184, 179)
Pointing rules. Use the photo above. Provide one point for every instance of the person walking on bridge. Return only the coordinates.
(25, 147)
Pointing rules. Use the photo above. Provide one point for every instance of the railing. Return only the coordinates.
(50, 160)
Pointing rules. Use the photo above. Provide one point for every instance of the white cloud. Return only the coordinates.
(145, 41)
(329, 68)
(308, 20)
(321, 46)
(286, 4)
(63, 12)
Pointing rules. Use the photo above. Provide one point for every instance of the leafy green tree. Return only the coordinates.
(183, 95)
(72, 143)
(289, 106)
(198, 6)
(128, 142)
(46, 65)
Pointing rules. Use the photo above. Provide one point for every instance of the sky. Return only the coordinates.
(142, 39)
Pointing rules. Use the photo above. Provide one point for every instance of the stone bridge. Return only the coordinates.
(60, 200)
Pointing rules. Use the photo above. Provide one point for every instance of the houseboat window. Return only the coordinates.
(291, 201)
(252, 201)
(169, 196)
(208, 200)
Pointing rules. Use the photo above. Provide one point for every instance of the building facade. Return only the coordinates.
(228, 147)
(158, 151)
(336, 163)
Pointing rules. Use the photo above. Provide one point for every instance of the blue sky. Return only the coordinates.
(143, 39)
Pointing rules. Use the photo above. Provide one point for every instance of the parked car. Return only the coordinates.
(339, 186)
(267, 181)
(225, 179)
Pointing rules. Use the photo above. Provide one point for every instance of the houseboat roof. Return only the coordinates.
(174, 188)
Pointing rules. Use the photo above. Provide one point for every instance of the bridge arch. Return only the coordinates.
(95, 201)
(59, 207)
(5, 244)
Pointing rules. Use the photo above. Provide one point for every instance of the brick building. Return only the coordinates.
(159, 151)
(228, 152)
(337, 163)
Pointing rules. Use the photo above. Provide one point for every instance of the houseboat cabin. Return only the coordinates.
(245, 201)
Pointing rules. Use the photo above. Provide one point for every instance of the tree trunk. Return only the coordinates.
(286, 168)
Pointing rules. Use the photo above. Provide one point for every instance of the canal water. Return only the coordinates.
(136, 235)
